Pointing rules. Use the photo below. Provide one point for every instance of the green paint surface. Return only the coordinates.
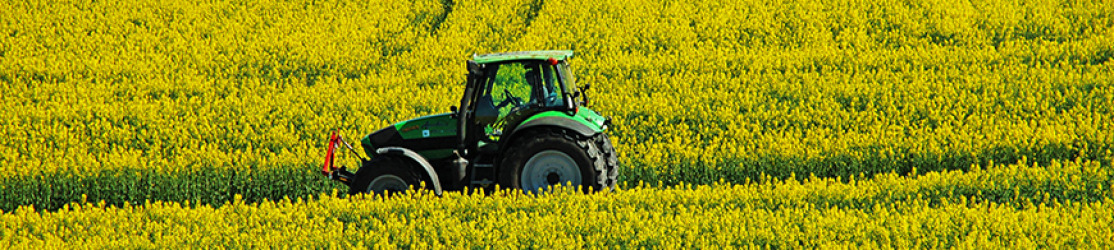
(431, 126)
(585, 116)
(437, 153)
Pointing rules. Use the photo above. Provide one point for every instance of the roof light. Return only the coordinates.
(552, 61)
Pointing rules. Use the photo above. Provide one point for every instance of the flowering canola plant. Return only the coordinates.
(933, 210)
(133, 123)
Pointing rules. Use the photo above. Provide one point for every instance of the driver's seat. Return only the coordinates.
(486, 113)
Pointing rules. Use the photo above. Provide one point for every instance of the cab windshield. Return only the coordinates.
(526, 84)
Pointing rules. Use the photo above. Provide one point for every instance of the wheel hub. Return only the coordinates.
(553, 178)
(548, 168)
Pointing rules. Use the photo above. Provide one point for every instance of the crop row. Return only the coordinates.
(1007, 206)
(1017, 184)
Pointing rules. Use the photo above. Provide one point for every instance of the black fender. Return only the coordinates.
(556, 121)
(414, 156)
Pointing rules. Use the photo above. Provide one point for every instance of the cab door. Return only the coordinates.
(512, 91)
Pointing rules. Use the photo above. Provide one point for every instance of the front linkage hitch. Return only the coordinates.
(333, 172)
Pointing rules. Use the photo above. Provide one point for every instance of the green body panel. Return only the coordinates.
(436, 153)
(432, 136)
(523, 55)
(430, 126)
(584, 116)
(428, 154)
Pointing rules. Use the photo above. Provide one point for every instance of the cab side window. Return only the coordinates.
(513, 89)
(510, 91)
(510, 88)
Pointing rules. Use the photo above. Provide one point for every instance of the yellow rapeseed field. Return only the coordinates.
(929, 211)
(780, 123)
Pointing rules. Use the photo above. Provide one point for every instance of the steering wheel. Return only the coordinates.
(509, 98)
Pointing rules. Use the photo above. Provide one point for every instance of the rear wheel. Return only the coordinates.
(386, 175)
(611, 159)
(543, 158)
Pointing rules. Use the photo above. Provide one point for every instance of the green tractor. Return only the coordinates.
(522, 123)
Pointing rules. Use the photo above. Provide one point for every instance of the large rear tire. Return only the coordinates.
(611, 159)
(386, 175)
(546, 157)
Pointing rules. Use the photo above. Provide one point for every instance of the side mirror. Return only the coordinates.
(584, 92)
(453, 110)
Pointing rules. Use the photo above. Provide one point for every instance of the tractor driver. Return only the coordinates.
(546, 94)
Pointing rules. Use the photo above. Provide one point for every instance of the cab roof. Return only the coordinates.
(522, 55)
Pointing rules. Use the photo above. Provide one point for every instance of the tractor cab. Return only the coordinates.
(503, 89)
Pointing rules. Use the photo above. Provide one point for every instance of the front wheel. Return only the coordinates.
(542, 158)
(386, 175)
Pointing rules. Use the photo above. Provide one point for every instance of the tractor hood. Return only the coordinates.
(439, 125)
(432, 136)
